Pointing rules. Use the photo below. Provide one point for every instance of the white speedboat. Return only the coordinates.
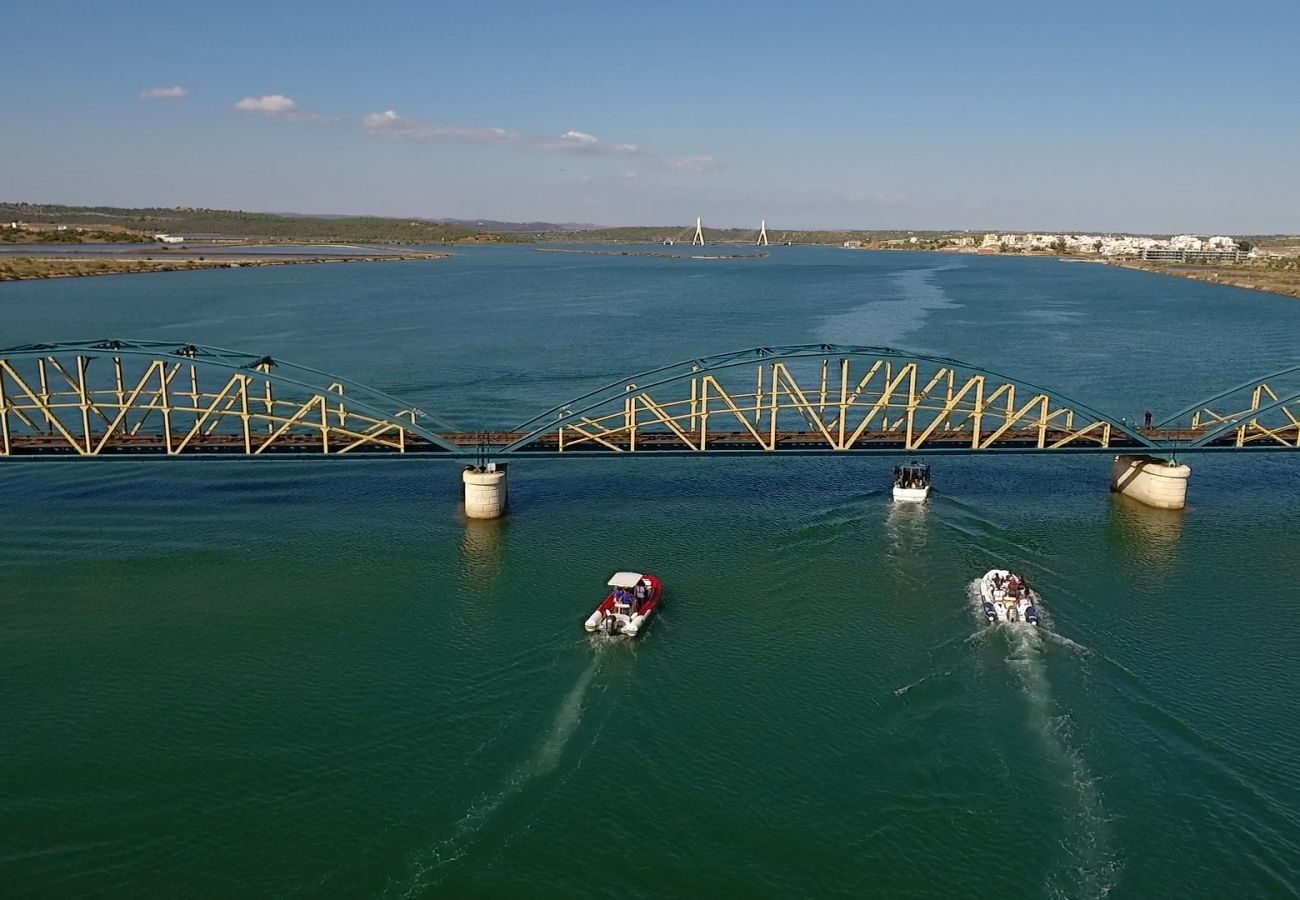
(1007, 598)
(912, 483)
(632, 598)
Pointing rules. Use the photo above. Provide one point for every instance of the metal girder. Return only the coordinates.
(1246, 427)
(819, 397)
(1262, 412)
(93, 398)
(100, 398)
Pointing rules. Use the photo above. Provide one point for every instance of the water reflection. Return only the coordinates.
(1150, 534)
(481, 556)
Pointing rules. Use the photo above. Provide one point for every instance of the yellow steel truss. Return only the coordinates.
(1283, 429)
(54, 402)
(835, 408)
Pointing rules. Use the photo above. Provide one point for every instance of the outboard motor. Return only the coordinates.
(1031, 614)
(1013, 614)
(612, 625)
(989, 612)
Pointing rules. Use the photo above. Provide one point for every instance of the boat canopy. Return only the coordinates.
(625, 579)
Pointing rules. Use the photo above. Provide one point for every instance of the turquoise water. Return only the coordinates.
(315, 679)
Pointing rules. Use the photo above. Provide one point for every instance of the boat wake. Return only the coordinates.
(429, 866)
(899, 692)
(1089, 867)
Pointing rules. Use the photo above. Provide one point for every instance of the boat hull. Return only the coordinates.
(912, 495)
(615, 619)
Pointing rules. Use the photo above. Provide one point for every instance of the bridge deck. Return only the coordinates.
(471, 443)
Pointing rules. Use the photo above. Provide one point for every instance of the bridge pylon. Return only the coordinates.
(762, 234)
(698, 239)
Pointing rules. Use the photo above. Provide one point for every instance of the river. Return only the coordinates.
(314, 679)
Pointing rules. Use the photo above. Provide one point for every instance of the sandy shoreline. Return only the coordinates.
(1284, 282)
(28, 268)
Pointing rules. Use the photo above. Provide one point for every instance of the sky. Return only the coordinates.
(1139, 116)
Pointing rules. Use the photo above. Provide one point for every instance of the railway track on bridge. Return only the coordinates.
(115, 398)
(469, 445)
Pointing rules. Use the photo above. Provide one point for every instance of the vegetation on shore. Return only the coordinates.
(69, 236)
(20, 268)
(40, 224)
(1276, 276)
(142, 224)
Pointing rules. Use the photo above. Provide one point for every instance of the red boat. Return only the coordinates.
(632, 598)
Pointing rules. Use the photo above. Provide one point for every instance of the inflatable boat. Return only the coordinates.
(1007, 598)
(632, 598)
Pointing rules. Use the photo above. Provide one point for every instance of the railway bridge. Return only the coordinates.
(93, 399)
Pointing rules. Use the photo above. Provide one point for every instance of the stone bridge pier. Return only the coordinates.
(1157, 482)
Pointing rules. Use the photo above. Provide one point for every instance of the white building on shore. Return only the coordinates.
(1187, 247)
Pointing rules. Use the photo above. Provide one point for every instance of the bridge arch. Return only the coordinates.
(1261, 412)
(110, 397)
(824, 397)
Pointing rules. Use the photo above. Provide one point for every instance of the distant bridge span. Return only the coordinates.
(153, 399)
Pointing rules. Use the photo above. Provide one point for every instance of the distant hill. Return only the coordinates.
(493, 225)
(237, 224)
(514, 227)
(257, 226)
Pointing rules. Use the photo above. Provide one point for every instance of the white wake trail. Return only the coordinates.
(1089, 868)
(427, 864)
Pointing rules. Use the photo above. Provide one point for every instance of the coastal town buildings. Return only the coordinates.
(1183, 247)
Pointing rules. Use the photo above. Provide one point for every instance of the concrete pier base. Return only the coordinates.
(1150, 480)
(485, 491)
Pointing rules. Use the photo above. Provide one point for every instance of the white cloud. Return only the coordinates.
(695, 165)
(392, 126)
(268, 105)
(581, 142)
(282, 107)
(163, 93)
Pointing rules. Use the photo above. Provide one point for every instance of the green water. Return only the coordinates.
(314, 679)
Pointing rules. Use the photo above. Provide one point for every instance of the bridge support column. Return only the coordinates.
(1161, 483)
(485, 491)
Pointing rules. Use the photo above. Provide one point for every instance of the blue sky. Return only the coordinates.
(1138, 116)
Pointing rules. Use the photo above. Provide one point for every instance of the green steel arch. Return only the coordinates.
(53, 389)
(1054, 415)
(1263, 413)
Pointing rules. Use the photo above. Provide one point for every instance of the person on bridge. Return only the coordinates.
(1146, 419)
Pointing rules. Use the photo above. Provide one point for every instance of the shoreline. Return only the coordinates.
(1226, 276)
(36, 268)
(650, 253)
(1283, 282)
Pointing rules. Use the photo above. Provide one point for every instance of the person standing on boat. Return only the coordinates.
(639, 596)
